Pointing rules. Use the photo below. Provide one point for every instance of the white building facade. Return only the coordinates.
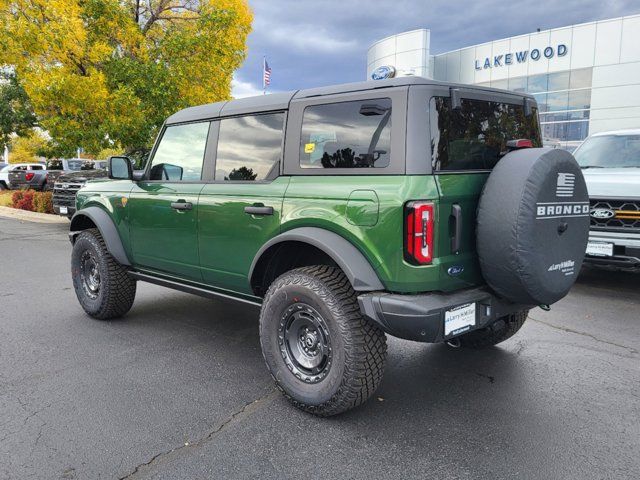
(586, 78)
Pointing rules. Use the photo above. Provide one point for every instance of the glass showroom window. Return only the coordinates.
(518, 84)
(558, 81)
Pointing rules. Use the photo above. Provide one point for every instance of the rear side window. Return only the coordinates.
(249, 147)
(180, 153)
(475, 136)
(347, 135)
(36, 167)
(54, 165)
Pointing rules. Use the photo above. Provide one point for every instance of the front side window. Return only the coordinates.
(347, 135)
(249, 147)
(180, 153)
(475, 136)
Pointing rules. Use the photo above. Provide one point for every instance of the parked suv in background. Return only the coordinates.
(611, 167)
(61, 166)
(67, 185)
(404, 206)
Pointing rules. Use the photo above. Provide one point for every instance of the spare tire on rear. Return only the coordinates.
(533, 225)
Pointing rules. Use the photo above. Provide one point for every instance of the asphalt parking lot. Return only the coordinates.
(178, 390)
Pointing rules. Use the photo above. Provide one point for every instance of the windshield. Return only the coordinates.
(609, 151)
(75, 165)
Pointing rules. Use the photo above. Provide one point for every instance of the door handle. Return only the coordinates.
(257, 209)
(455, 226)
(182, 205)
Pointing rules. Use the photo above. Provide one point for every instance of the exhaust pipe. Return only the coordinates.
(454, 343)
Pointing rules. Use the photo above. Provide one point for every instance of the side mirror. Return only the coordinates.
(120, 168)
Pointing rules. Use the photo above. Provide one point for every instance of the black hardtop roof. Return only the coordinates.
(281, 100)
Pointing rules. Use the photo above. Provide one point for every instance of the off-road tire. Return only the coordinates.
(117, 289)
(358, 347)
(498, 331)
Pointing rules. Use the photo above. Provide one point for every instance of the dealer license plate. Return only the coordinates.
(64, 210)
(600, 249)
(459, 319)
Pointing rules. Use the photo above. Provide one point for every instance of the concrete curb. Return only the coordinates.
(7, 212)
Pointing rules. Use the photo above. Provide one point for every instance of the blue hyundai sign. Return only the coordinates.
(386, 71)
(520, 57)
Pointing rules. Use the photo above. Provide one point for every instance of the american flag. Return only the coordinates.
(266, 74)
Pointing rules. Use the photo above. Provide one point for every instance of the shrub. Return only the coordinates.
(43, 202)
(32, 201)
(23, 199)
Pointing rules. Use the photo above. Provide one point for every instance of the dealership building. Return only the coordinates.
(586, 78)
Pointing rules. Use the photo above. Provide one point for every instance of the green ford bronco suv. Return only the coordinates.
(409, 207)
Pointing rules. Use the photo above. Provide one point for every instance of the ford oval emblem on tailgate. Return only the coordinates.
(455, 270)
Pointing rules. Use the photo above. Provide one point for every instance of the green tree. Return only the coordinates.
(105, 73)
(16, 112)
(242, 173)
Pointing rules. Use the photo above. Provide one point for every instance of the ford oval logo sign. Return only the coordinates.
(455, 270)
(386, 71)
(602, 213)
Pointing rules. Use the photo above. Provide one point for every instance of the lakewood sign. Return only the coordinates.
(521, 57)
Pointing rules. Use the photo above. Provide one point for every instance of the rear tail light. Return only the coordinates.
(419, 223)
(29, 176)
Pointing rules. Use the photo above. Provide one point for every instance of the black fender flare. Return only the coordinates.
(107, 229)
(353, 263)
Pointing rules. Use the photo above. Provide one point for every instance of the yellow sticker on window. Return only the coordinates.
(309, 147)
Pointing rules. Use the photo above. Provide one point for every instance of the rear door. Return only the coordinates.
(163, 208)
(467, 141)
(241, 210)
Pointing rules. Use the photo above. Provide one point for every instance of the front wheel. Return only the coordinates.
(103, 287)
(500, 330)
(322, 353)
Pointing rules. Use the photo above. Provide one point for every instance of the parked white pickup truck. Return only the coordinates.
(610, 163)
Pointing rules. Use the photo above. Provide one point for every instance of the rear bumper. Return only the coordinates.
(421, 317)
(626, 249)
(25, 185)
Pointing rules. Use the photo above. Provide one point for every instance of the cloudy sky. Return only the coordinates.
(311, 43)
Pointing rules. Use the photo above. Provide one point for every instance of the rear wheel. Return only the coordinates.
(103, 287)
(322, 353)
(497, 332)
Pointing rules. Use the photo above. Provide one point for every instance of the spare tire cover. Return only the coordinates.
(533, 225)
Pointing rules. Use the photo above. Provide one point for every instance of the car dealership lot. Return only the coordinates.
(178, 389)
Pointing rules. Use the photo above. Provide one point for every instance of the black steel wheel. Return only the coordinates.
(323, 354)
(89, 274)
(305, 342)
(103, 287)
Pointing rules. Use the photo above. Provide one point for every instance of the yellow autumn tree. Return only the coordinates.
(107, 72)
(28, 147)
